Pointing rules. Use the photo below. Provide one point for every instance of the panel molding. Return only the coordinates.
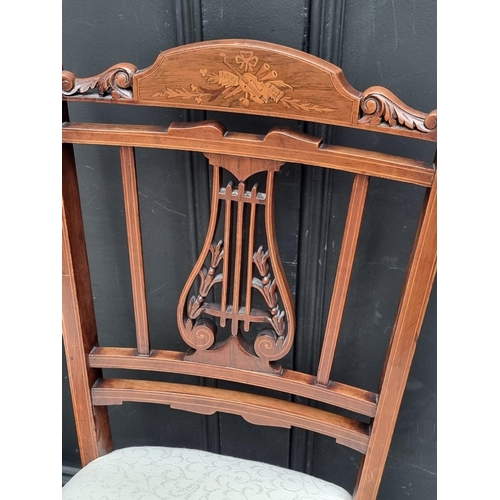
(189, 27)
(323, 38)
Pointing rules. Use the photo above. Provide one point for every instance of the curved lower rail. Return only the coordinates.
(260, 410)
(291, 382)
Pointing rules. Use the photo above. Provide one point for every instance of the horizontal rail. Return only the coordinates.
(279, 144)
(260, 410)
(291, 382)
(381, 128)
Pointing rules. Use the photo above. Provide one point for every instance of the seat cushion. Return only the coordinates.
(143, 473)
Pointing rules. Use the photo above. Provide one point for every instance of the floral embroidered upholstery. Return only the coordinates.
(143, 473)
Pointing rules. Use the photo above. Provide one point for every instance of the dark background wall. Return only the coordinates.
(376, 42)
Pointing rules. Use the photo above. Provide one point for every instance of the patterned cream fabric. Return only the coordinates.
(154, 473)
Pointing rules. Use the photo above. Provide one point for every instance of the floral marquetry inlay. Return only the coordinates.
(243, 81)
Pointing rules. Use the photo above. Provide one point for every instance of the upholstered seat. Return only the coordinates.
(143, 473)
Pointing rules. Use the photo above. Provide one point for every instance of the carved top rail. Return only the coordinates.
(260, 78)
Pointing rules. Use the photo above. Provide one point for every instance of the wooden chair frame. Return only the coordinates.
(259, 78)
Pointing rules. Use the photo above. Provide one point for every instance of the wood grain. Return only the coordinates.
(79, 327)
(134, 238)
(343, 276)
(202, 337)
(279, 144)
(227, 250)
(258, 409)
(250, 252)
(416, 291)
(289, 381)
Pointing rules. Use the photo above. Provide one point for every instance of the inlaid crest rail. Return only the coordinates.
(259, 78)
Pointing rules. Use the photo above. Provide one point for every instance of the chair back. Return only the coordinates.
(236, 313)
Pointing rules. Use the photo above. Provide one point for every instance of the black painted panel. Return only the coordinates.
(321, 194)
(276, 22)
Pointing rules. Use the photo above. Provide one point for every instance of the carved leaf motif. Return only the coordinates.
(269, 293)
(278, 322)
(193, 306)
(207, 280)
(117, 79)
(378, 107)
(268, 289)
(87, 85)
(217, 252)
(260, 259)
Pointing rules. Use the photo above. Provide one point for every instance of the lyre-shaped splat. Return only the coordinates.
(221, 268)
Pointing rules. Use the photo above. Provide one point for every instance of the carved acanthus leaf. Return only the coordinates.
(268, 289)
(217, 252)
(260, 259)
(117, 80)
(380, 105)
(278, 321)
(207, 280)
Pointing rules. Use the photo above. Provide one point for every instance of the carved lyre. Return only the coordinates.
(220, 268)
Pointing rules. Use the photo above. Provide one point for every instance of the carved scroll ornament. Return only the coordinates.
(380, 106)
(117, 80)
